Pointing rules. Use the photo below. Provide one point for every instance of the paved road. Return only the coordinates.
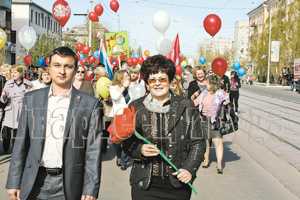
(251, 169)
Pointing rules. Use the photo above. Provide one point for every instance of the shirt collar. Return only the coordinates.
(19, 84)
(68, 95)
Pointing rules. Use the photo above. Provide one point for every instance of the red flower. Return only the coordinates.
(122, 126)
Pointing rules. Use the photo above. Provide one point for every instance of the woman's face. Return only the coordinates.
(232, 75)
(133, 75)
(46, 77)
(126, 77)
(173, 87)
(4, 72)
(80, 74)
(159, 85)
(15, 75)
(97, 76)
(200, 75)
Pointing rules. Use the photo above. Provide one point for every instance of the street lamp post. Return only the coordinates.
(90, 31)
(269, 54)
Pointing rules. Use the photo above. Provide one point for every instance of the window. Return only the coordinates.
(42, 20)
(31, 16)
(39, 20)
(45, 22)
(36, 18)
(51, 25)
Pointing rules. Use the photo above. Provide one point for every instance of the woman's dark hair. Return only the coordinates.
(236, 76)
(63, 52)
(156, 64)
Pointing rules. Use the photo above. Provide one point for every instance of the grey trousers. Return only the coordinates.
(47, 187)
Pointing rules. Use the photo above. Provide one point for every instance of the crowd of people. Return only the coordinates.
(168, 106)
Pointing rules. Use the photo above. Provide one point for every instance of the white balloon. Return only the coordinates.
(163, 45)
(161, 21)
(27, 37)
(137, 90)
(191, 61)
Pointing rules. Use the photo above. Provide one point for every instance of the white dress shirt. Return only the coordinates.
(56, 120)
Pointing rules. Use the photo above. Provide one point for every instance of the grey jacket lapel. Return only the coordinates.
(74, 102)
(43, 105)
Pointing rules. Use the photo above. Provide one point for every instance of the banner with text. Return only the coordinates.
(275, 51)
(117, 43)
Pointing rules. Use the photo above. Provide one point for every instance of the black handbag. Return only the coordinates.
(226, 120)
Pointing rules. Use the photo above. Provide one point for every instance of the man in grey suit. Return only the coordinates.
(57, 152)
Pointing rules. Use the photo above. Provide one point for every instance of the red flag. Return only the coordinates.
(175, 52)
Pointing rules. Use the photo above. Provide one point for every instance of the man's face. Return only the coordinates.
(32, 70)
(124, 66)
(62, 70)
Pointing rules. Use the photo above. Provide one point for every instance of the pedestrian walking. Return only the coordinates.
(209, 103)
(199, 84)
(164, 119)
(251, 80)
(12, 95)
(120, 99)
(188, 78)
(234, 91)
(57, 154)
(294, 87)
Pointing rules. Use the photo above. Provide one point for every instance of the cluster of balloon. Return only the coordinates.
(130, 62)
(3, 38)
(161, 22)
(79, 47)
(137, 90)
(27, 37)
(219, 66)
(114, 5)
(212, 24)
(236, 65)
(102, 86)
(202, 60)
(83, 60)
(27, 60)
(146, 53)
(241, 72)
(61, 12)
(94, 16)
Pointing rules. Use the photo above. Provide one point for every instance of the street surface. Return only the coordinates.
(261, 159)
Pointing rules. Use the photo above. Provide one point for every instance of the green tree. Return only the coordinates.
(2, 56)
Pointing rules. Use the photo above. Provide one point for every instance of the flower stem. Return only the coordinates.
(164, 157)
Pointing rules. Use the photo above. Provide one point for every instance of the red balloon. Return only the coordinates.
(84, 60)
(47, 61)
(79, 47)
(92, 59)
(111, 59)
(78, 56)
(117, 61)
(180, 59)
(114, 5)
(135, 61)
(27, 61)
(179, 70)
(141, 60)
(212, 24)
(61, 12)
(219, 66)
(130, 62)
(86, 50)
(93, 17)
(98, 10)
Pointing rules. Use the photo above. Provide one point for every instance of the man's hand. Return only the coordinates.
(87, 197)
(14, 194)
(185, 176)
(149, 150)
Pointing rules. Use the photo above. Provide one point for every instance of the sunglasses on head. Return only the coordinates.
(161, 80)
(80, 72)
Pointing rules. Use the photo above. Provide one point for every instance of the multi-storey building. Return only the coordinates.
(28, 13)
(219, 45)
(6, 25)
(241, 33)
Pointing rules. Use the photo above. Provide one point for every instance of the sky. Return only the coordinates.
(185, 20)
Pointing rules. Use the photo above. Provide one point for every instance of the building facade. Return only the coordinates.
(6, 25)
(219, 45)
(241, 32)
(28, 13)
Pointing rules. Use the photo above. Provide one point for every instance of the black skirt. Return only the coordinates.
(161, 189)
(207, 130)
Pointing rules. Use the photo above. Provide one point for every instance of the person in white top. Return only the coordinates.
(44, 79)
(57, 151)
(135, 76)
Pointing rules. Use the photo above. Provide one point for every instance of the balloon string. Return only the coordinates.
(166, 44)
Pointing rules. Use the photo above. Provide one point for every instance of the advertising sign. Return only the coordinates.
(117, 43)
(275, 51)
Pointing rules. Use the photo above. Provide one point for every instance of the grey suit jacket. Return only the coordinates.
(81, 147)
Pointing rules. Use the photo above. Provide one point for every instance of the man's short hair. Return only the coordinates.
(63, 52)
(123, 62)
(188, 68)
(31, 66)
(100, 65)
(87, 64)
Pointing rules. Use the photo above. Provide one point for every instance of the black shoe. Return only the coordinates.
(118, 162)
(205, 166)
(220, 171)
(123, 167)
